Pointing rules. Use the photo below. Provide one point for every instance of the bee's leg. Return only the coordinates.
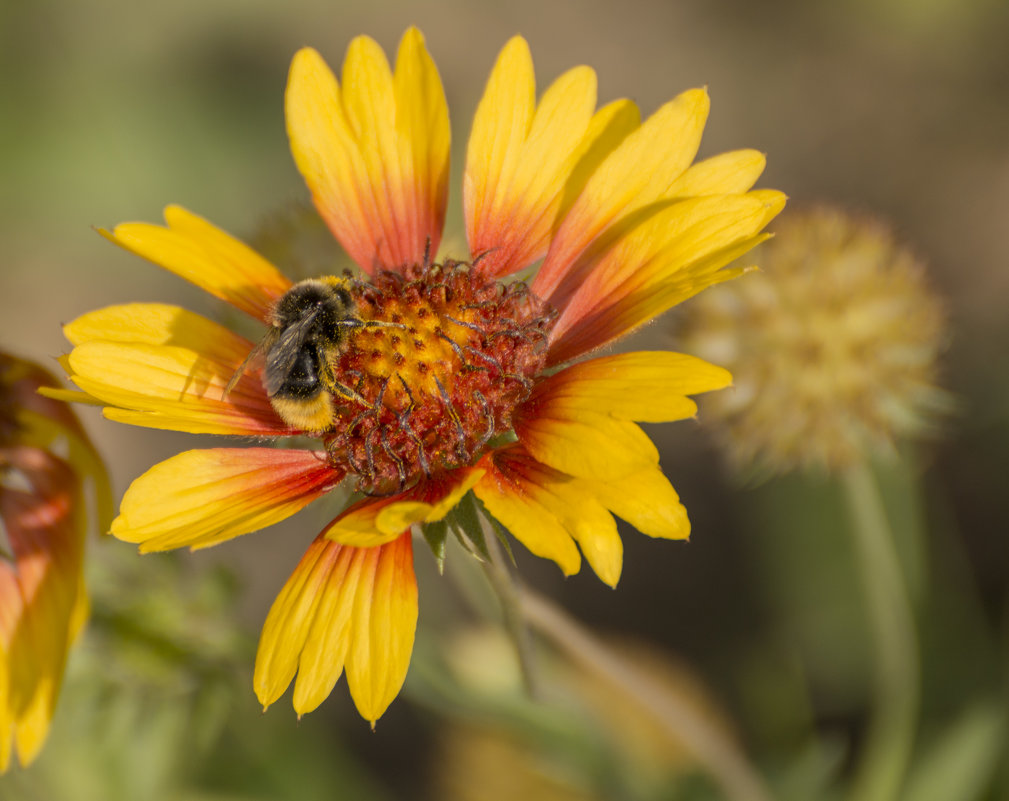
(337, 388)
(343, 390)
(359, 376)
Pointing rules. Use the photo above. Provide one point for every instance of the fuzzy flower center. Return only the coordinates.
(441, 380)
(834, 348)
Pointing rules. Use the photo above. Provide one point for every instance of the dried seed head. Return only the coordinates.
(833, 347)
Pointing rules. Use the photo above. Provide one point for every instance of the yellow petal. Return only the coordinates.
(178, 388)
(519, 160)
(500, 126)
(647, 386)
(384, 625)
(328, 636)
(373, 522)
(357, 525)
(6, 719)
(422, 123)
(202, 497)
(609, 127)
(583, 443)
(40, 590)
(317, 583)
(609, 323)
(33, 724)
(644, 244)
(515, 500)
(69, 396)
(638, 172)
(341, 605)
(400, 516)
(369, 103)
(582, 515)
(48, 431)
(646, 500)
(165, 324)
(374, 155)
(157, 324)
(326, 152)
(682, 244)
(40, 419)
(727, 173)
(646, 303)
(205, 255)
(677, 237)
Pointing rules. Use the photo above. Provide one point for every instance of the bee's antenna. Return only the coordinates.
(356, 323)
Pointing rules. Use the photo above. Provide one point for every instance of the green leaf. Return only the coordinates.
(436, 534)
(465, 520)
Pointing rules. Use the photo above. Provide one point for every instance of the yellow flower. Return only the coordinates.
(834, 347)
(42, 597)
(438, 377)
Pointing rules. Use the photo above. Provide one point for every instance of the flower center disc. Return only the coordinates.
(439, 381)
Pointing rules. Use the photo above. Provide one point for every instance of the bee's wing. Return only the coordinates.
(281, 355)
(263, 345)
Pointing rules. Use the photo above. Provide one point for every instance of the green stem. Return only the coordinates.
(882, 766)
(506, 587)
(714, 751)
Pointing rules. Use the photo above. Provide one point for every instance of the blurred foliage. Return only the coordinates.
(158, 706)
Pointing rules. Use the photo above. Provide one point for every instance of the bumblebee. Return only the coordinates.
(309, 326)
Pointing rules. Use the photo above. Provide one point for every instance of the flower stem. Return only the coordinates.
(886, 752)
(507, 589)
(713, 750)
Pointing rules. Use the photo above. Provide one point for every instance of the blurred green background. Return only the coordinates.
(110, 109)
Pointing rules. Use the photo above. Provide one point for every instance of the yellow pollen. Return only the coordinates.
(423, 352)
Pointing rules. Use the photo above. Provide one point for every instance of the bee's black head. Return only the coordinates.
(328, 304)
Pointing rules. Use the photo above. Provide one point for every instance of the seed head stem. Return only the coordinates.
(882, 766)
